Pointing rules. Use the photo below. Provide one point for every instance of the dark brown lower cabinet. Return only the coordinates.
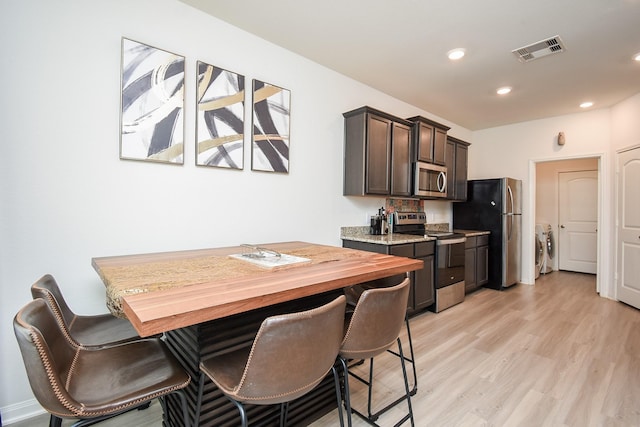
(476, 273)
(422, 294)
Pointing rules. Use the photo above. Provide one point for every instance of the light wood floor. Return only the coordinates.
(553, 354)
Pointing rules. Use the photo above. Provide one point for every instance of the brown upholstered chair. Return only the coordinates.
(353, 295)
(374, 327)
(71, 381)
(88, 331)
(291, 354)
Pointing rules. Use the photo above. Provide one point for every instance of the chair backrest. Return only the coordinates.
(292, 353)
(48, 355)
(376, 321)
(47, 288)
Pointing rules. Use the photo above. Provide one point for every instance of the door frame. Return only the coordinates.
(603, 263)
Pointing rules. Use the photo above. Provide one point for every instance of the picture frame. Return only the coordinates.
(219, 117)
(152, 104)
(270, 122)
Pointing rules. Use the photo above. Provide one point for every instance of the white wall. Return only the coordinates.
(66, 197)
(625, 124)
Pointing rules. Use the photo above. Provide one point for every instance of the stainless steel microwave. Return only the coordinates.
(429, 180)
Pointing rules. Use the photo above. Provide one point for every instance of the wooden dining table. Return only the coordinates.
(208, 301)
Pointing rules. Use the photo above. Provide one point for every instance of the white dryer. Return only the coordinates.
(551, 250)
(544, 234)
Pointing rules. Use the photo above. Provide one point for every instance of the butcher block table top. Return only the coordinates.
(159, 292)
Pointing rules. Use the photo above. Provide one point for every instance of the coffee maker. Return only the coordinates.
(379, 223)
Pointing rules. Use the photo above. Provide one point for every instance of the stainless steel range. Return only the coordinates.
(449, 275)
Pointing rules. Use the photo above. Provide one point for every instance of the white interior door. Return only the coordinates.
(628, 235)
(578, 217)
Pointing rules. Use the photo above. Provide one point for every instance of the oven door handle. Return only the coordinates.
(440, 242)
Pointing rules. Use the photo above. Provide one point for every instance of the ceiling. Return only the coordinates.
(399, 47)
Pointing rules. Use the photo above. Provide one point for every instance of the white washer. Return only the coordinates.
(539, 252)
(545, 236)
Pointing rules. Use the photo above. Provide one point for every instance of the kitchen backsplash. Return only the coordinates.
(405, 205)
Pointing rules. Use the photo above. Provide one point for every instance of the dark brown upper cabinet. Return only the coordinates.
(429, 141)
(377, 154)
(457, 159)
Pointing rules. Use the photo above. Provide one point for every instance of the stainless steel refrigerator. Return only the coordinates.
(495, 205)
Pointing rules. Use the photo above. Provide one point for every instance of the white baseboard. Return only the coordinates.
(21, 411)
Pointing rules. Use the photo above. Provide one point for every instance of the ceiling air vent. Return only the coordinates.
(539, 49)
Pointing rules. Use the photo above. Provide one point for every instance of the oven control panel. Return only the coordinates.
(403, 218)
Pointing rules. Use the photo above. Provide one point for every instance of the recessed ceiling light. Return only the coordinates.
(636, 57)
(586, 104)
(504, 90)
(456, 54)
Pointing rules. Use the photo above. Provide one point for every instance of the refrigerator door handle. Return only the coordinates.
(510, 207)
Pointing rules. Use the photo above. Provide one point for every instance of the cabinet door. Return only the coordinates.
(401, 160)
(424, 294)
(482, 265)
(406, 251)
(460, 178)
(424, 142)
(451, 169)
(378, 155)
(439, 147)
(470, 282)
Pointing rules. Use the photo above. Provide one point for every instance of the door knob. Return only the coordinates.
(562, 226)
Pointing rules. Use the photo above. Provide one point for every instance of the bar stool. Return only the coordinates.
(291, 354)
(353, 294)
(93, 384)
(88, 331)
(374, 327)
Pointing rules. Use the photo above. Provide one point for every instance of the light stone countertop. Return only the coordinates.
(361, 234)
(471, 233)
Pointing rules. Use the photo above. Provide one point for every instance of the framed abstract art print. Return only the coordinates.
(271, 113)
(152, 104)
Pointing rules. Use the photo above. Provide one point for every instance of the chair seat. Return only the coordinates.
(120, 376)
(95, 383)
(226, 370)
